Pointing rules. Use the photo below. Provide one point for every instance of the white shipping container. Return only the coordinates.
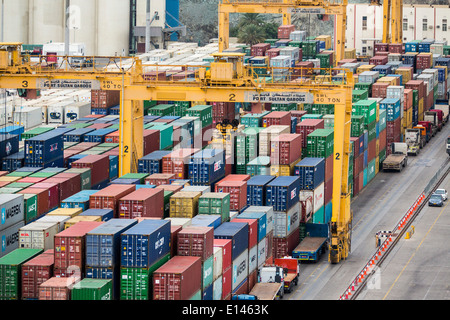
(268, 210)
(368, 76)
(280, 62)
(10, 238)
(298, 35)
(60, 220)
(38, 235)
(394, 57)
(218, 262)
(252, 259)
(435, 73)
(202, 189)
(286, 222)
(262, 253)
(77, 111)
(184, 222)
(266, 136)
(239, 269)
(317, 196)
(28, 117)
(217, 289)
(56, 113)
(437, 48)
(428, 78)
(396, 92)
(11, 208)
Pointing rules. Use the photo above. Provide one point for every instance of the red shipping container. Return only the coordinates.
(393, 128)
(170, 187)
(53, 193)
(31, 180)
(236, 177)
(177, 162)
(429, 101)
(252, 280)
(284, 246)
(303, 68)
(372, 150)
(196, 241)
(329, 167)
(237, 191)
(225, 244)
(155, 75)
(99, 165)
(143, 202)
(157, 179)
(227, 283)
(395, 48)
(99, 125)
(344, 61)
(42, 199)
(328, 191)
(424, 61)
(35, 272)
(113, 137)
(379, 89)
(174, 230)
(57, 288)
(356, 185)
(380, 47)
(273, 52)
(70, 248)
(408, 101)
(259, 49)
(151, 141)
(280, 118)
(355, 141)
(284, 31)
(307, 126)
(418, 85)
(252, 230)
(108, 198)
(382, 139)
(178, 279)
(223, 110)
(105, 98)
(285, 149)
(298, 114)
(379, 60)
(68, 185)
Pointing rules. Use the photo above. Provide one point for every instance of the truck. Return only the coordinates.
(398, 159)
(423, 133)
(444, 107)
(433, 117)
(314, 244)
(431, 129)
(414, 140)
(291, 272)
(262, 291)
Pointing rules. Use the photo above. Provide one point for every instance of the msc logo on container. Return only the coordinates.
(293, 193)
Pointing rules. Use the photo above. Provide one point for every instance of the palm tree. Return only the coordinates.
(250, 18)
(251, 34)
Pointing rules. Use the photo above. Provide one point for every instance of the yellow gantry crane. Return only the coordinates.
(285, 8)
(227, 80)
(392, 20)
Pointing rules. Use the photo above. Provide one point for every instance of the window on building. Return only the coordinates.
(405, 24)
(364, 23)
(444, 24)
(364, 51)
(424, 24)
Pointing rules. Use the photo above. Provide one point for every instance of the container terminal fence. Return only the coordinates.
(368, 276)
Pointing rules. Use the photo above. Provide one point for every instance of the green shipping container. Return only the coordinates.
(364, 86)
(253, 119)
(371, 170)
(415, 98)
(312, 116)
(320, 143)
(7, 190)
(136, 283)
(324, 60)
(319, 215)
(148, 104)
(260, 166)
(204, 112)
(11, 272)
(85, 177)
(21, 185)
(365, 177)
(19, 174)
(382, 120)
(165, 134)
(34, 132)
(359, 94)
(92, 289)
(140, 176)
(181, 107)
(367, 108)
(297, 44)
(207, 272)
(215, 203)
(357, 127)
(162, 110)
(372, 130)
(30, 207)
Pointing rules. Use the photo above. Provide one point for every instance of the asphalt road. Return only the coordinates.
(378, 207)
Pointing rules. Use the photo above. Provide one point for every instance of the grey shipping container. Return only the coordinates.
(11, 210)
(9, 238)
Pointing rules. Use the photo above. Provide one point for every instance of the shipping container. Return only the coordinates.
(92, 289)
(256, 189)
(57, 288)
(10, 238)
(12, 209)
(214, 203)
(207, 166)
(108, 198)
(38, 235)
(35, 272)
(237, 232)
(282, 193)
(196, 241)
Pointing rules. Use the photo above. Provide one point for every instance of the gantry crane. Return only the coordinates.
(392, 20)
(286, 8)
(227, 80)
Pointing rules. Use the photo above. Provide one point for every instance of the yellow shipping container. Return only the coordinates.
(420, 108)
(365, 67)
(326, 39)
(350, 53)
(407, 118)
(391, 80)
(9, 179)
(184, 204)
(284, 170)
(377, 164)
(76, 219)
(71, 212)
(406, 75)
(377, 147)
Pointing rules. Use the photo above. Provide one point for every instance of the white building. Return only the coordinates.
(365, 25)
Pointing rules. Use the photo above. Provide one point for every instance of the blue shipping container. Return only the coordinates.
(145, 243)
(126, 181)
(207, 166)
(103, 243)
(282, 193)
(392, 107)
(261, 217)
(311, 172)
(113, 167)
(383, 69)
(78, 200)
(77, 135)
(152, 163)
(206, 220)
(98, 135)
(45, 149)
(9, 144)
(256, 190)
(14, 161)
(237, 232)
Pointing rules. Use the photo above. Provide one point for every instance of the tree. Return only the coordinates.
(250, 18)
(251, 34)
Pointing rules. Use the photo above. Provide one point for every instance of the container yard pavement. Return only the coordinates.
(379, 207)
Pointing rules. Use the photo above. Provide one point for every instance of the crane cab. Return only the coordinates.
(10, 55)
(227, 67)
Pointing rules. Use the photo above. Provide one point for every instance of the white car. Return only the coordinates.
(443, 193)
